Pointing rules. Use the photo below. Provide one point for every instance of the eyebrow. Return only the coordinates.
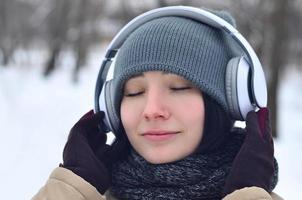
(142, 74)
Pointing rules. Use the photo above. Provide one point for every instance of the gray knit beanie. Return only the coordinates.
(182, 46)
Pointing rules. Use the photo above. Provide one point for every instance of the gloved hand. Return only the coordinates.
(87, 154)
(254, 163)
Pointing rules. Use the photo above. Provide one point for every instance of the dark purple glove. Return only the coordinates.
(86, 153)
(254, 163)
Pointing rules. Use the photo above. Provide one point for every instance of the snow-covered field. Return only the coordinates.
(36, 115)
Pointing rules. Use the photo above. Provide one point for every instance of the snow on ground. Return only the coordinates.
(288, 146)
(36, 115)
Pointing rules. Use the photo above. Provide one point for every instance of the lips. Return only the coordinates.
(158, 136)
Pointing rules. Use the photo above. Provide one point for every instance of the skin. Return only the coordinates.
(163, 116)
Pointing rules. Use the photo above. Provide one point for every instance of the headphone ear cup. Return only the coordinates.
(238, 88)
(244, 88)
(112, 117)
(231, 87)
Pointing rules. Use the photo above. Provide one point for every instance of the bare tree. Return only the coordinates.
(57, 30)
(295, 34)
(279, 56)
(85, 22)
(81, 45)
(7, 42)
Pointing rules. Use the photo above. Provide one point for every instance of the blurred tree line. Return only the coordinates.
(273, 27)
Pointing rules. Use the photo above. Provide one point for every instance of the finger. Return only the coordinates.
(95, 129)
(262, 115)
(252, 126)
(264, 123)
(88, 126)
(91, 119)
(252, 120)
(96, 118)
(88, 114)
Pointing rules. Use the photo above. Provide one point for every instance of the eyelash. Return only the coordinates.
(180, 88)
(172, 88)
(134, 94)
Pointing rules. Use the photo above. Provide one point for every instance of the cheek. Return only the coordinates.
(192, 110)
(129, 119)
(195, 123)
(193, 114)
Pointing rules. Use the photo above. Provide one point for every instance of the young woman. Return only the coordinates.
(177, 139)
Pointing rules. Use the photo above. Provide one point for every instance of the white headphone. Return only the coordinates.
(245, 81)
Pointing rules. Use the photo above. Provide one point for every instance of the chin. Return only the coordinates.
(157, 161)
(160, 159)
(162, 155)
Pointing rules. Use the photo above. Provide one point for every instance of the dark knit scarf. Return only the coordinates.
(198, 176)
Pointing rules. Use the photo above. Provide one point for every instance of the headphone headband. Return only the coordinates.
(181, 11)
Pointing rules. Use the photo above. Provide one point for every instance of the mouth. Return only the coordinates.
(158, 136)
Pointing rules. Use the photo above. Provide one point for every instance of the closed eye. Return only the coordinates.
(181, 88)
(133, 94)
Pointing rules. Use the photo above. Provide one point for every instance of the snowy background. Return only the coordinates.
(36, 115)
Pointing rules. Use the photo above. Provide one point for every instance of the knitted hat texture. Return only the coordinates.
(178, 45)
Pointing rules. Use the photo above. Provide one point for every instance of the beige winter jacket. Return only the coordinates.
(63, 184)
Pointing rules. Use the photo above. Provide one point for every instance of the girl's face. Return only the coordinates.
(163, 116)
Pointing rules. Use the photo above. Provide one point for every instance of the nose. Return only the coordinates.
(155, 106)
